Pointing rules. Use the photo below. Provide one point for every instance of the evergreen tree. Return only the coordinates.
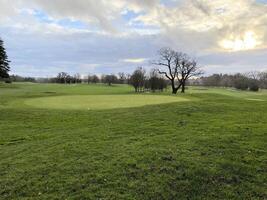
(4, 62)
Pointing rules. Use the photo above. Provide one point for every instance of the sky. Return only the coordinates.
(45, 37)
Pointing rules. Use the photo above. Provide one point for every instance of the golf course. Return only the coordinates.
(94, 141)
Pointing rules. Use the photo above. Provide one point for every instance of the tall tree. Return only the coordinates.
(186, 69)
(4, 62)
(167, 60)
(180, 67)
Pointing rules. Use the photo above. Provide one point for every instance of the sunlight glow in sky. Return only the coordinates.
(248, 41)
(44, 37)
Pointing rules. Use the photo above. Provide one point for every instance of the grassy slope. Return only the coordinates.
(212, 148)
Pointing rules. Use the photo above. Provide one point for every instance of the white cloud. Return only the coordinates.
(134, 60)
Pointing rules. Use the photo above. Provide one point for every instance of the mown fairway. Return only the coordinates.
(100, 142)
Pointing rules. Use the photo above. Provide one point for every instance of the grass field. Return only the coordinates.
(100, 142)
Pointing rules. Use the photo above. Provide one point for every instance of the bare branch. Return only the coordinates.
(165, 73)
(160, 64)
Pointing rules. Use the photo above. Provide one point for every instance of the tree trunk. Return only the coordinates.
(183, 87)
(174, 89)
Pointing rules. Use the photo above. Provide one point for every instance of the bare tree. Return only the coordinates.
(179, 68)
(253, 75)
(186, 69)
(168, 60)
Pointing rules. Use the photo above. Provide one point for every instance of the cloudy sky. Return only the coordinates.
(44, 37)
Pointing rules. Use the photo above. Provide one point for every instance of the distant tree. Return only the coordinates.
(213, 80)
(63, 77)
(102, 79)
(95, 79)
(29, 79)
(109, 79)
(122, 77)
(92, 79)
(226, 80)
(76, 78)
(128, 79)
(254, 85)
(138, 79)
(4, 62)
(46, 80)
(254, 81)
(89, 79)
(156, 81)
(240, 82)
(263, 80)
(179, 68)
(17, 78)
(69, 79)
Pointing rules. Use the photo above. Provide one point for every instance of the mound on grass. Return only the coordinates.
(97, 102)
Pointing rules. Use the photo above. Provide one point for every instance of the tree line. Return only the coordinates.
(154, 81)
(65, 78)
(252, 81)
(139, 79)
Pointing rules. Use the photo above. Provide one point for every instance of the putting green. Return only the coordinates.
(96, 102)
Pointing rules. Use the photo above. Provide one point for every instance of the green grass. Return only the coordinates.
(100, 102)
(213, 145)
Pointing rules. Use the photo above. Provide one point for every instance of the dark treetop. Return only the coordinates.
(4, 62)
